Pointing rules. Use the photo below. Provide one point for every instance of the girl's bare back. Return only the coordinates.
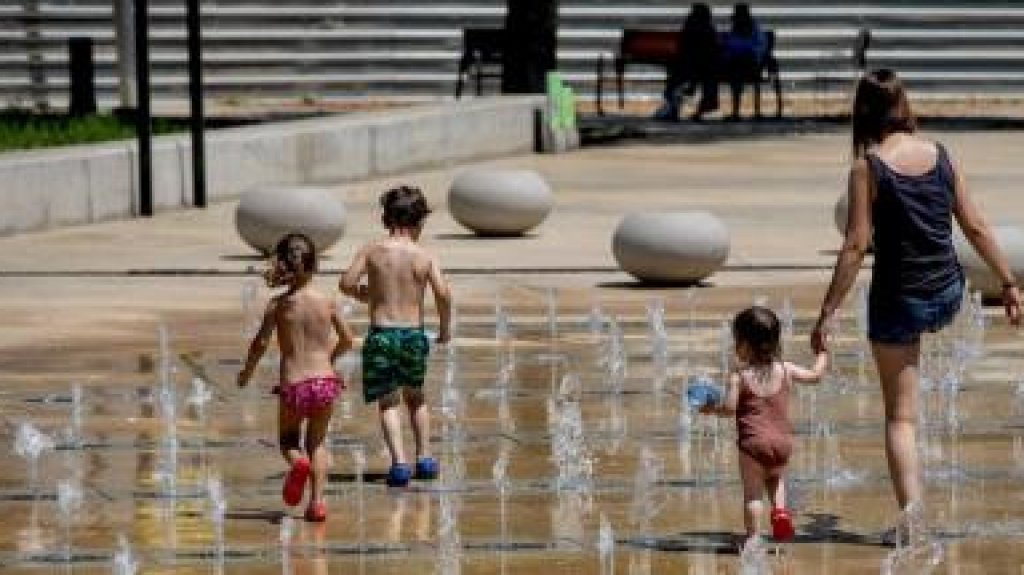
(305, 334)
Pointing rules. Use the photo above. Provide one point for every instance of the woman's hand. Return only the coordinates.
(244, 375)
(820, 333)
(1011, 302)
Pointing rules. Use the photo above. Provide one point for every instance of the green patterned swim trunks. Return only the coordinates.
(393, 357)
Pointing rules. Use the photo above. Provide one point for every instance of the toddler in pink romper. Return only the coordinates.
(757, 395)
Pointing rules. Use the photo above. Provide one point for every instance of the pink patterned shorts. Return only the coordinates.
(311, 394)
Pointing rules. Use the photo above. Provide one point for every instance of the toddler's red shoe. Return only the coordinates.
(295, 482)
(316, 512)
(782, 524)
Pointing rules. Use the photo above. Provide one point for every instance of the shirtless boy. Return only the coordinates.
(398, 271)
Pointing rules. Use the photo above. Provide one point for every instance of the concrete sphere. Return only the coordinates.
(265, 215)
(499, 202)
(671, 247)
(1011, 242)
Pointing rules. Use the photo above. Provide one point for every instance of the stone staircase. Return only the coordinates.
(407, 49)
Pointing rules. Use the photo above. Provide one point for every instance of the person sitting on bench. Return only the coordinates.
(696, 64)
(743, 52)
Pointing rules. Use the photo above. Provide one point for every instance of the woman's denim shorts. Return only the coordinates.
(902, 319)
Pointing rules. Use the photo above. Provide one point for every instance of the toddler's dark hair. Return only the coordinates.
(309, 261)
(404, 207)
(758, 328)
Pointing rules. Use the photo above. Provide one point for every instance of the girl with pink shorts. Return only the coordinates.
(311, 336)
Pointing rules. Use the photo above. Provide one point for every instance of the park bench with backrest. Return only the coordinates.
(655, 47)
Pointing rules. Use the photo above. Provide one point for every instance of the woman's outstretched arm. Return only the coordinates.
(979, 234)
(855, 246)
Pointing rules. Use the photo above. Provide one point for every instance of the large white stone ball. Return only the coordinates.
(1011, 241)
(671, 247)
(499, 202)
(265, 215)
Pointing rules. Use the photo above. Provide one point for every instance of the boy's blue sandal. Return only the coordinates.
(426, 468)
(399, 475)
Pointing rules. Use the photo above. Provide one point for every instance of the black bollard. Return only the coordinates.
(83, 77)
(143, 115)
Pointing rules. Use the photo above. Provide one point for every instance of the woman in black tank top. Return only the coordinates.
(916, 285)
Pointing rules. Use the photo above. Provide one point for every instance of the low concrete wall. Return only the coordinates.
(82, 184)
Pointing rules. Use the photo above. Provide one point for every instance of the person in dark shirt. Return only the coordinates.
(905, 192)
(695, 65)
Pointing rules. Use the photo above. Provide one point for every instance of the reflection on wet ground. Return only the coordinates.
(564, 441)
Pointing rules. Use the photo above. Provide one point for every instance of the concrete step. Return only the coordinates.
(368, 47)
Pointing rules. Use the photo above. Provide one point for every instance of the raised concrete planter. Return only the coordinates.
(671, 247)
(496, 202)
(265, 215)
(1011, 241)
(82, 184)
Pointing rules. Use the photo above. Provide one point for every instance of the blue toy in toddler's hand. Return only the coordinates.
(702, 391)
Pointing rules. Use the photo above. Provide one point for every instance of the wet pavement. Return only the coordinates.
(83, 307)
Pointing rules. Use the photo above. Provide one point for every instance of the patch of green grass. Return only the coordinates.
(22, 130)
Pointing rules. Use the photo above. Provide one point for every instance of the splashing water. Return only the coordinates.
(787, 318)
(836, 476)
(754, 558)
(499, 474)
(659, 343)
(218, 506)
(502, 328)
(69, 500)
(916, 551)
(596, 320)
(449, 557)
(616, 358)
(284, 538)
(861, 302)
(647, 500)
(359, 467)
(200, 394)
(250, 307)
(124, 560)
(606, 547)
(499, 471)
(75, 431)
(568, 440)
(551, 297)
(30, 443)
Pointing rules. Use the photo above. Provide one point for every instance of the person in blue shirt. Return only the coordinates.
(743, 52)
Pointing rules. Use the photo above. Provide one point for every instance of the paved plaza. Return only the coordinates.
(83, 305)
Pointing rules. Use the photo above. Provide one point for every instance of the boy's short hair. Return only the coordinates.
(309, 261)
(404, 207)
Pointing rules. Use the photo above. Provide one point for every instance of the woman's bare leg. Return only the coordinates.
(897, 370)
